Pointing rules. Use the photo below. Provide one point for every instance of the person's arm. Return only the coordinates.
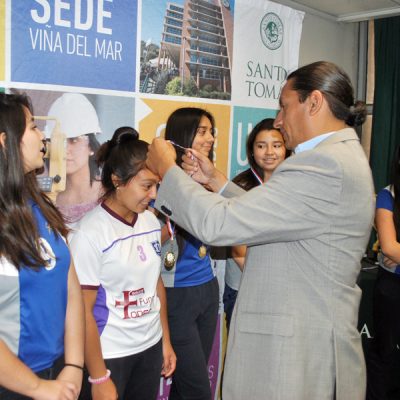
(169, 356)
(93, 355)
(74, 332)
(387, 234)
(17, 377)
(161, 158)
(239, 255)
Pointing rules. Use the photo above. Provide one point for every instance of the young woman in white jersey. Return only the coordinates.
(116, 248)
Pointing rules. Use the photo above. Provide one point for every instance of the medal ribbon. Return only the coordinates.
(257, 176)
(170, 228)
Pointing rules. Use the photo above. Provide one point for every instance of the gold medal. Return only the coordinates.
(202, 251)
(169, 260)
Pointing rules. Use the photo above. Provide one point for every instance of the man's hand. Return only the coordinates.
(161, 157)
(202, 170)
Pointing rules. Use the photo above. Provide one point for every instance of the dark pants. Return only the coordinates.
(136, 377)
(192, 316)
(383, 358)
(229, 303)
(48, 374)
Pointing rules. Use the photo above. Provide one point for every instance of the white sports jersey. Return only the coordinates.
(122, 262)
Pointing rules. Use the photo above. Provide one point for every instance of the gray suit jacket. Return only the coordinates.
(294, 331)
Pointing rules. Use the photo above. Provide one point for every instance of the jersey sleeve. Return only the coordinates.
(385, 200)
(87, 259)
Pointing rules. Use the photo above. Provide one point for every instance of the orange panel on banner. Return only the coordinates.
(158, 111)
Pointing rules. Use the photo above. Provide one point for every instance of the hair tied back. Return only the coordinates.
(125, 133)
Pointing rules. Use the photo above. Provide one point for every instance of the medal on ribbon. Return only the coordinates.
(169, 258)
(202, 251)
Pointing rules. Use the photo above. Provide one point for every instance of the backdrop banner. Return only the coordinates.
(89, 43)
(267, 41)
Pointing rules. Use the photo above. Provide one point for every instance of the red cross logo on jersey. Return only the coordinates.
(126, 303)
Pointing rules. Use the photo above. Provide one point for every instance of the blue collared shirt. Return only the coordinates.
(310, 144)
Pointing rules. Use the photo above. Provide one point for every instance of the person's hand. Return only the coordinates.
(198, 166)
(169, 363)
(71, 374)
(389, 263)
(160, 157)
(54, 390)
(104, 391)
(202, 170)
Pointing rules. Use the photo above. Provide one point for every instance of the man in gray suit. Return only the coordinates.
(294, 328)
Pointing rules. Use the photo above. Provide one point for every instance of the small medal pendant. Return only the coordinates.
(202, 251)
(169, 260)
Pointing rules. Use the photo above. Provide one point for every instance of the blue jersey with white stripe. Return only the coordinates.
(33, 302)
(385, 200)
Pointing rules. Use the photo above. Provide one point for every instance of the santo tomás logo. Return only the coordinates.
(271, 31)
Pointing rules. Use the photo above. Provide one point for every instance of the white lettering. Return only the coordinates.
(108, 49)
(86, 25)
(365, 331)
(34, 39)
(81, 18)
(58, 6)
(160, 130)
(101, 14)
(240, 161)
(45, 40)
(46, 12)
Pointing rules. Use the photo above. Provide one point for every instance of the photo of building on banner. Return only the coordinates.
(186, 48)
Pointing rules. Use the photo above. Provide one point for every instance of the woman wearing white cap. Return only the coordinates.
(79, 122)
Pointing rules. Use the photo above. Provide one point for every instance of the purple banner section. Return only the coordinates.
(213, 367)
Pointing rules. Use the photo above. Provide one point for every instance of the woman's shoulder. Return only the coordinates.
(149, 218)
(385, 198)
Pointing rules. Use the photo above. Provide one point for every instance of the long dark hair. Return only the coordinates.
(94, 169)
(336, 87)
(19, 236)
(124, 156)
(182, 127)
(246, 179)
(395, 186)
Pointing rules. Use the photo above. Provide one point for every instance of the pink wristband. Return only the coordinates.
(96, 381)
